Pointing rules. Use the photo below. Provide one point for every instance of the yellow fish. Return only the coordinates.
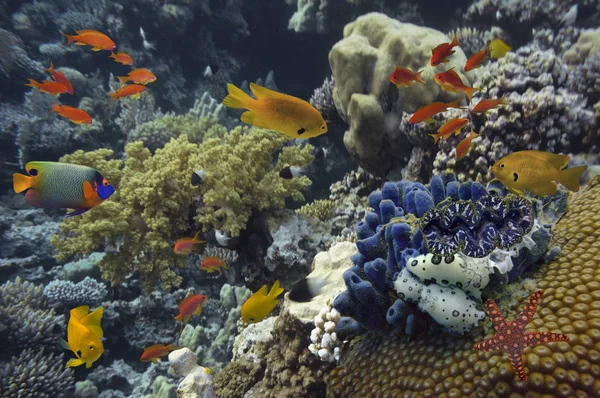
(260, 304)
(536, 171)
(84, 333)
(498, 48)
(289, 115)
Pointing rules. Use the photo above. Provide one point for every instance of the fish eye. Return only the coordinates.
(502, 166)
(323, 127)
(104, 182)
(33, 172)
(91, 347)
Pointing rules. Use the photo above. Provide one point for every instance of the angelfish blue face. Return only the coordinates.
(104, 189)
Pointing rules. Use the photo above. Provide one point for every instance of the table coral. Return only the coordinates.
(433, 365)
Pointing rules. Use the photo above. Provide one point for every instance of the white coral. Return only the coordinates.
(325, 343)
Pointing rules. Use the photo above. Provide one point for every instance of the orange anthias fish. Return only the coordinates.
(464, 146)
(476, 59)
(537, 172)
(121, 58)
(440, 53)
(138, 76)
(59, 77)
(130, 90)
(485, 105)
(156, 351)
(426, 112)
(451, 81)
(75, 115)
(191, 305)
(184, 246)
(212, 264)
(89, 37)
(48, 86)
(403, 77)
(451, 126)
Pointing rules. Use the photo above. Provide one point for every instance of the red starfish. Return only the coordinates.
(509, 336)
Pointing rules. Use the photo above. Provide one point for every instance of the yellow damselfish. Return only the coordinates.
(260, 304)
(84, 333)
(289, 115)
(536, 171)
(498, 48)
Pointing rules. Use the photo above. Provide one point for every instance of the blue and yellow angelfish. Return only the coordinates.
(53, 185)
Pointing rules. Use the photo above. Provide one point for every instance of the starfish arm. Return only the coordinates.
(487, 345)
(495, 316)
(525, 316)
(535, 338)
(516, 360)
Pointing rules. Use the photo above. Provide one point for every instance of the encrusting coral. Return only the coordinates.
(436, 365)
(152, 206)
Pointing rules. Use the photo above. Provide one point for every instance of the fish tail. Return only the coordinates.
(436, 138)
(71, 363)
(197, 239)
(418, 77)
(454, 42)
(469, 91)
(70, 38)
(275, 290)
(55, 108)
(32, 83)
(51, 68)
(236, 98)
(453, 104)
(21, 182)
(123, 79)
(570, 177)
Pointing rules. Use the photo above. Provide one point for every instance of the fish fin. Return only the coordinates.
(454, 42)
(198, 310)
(77, 212)
(51, 68)
(155, 361)
(250, 118)
(544, 188)
(70, 38)
(469, 91)
(556, 160)
(65, 345)
(78, 43)
(275, 290)
(32, 83)
(135, 96)
(453, 104)
(419, 78)
(96, 49)
(55, 108)
(570, 177)
(262, 291)
(123, 79)
(197, 239)
(71, 363)
(21, 182)
(113, 55)
(263, 92)
(95, 328)
(436, 138)
(236, 98)
(430, 120)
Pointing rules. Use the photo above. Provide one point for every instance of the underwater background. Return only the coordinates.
(173, 226)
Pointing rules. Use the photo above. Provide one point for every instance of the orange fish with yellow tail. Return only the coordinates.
(425, 113)
(48, 86)
(138, 76)
(75, 115)
(403, 77)
(191, 305)
(212, 264)
(451, 126)
(130, 90)
(90, 37)
(464, 146)
(184, 246)
(441, 52)
(156, 351)
(476, 60)
(122, 58)
(486, 104)
(451, 81)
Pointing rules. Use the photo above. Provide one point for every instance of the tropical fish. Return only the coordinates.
(487, 104)
(570, 17)
(289, 172)
(212, 264)
(464, 146)
(403, 77)
(89, 37)
(425, 113)
(440, 53)
(60, 77)
(498, 48)
(260, 304)
(83, 336)
(451, 81)
(75, 115)
(122, 58)
(191, 305)
(454, 125)
(537, 172)
(184, 246)
(476, 59)
(138, 76)
(129, 90)
(48, 86)
(198, 177)
(156, 351)
(320, 153)
(307, 288)
(148, 46)
(62, 185)
(289, 115)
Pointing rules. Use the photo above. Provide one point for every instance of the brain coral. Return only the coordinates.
(428, 366)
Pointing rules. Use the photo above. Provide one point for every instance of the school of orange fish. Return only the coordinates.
(535, 171)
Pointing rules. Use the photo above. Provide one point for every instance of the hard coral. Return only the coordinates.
(433, 365)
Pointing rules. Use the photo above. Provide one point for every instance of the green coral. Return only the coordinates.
(320, 209)
(139, 224)
(156, 133)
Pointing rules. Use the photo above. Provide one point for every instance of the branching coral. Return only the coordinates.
(320, 209)
(87, 292)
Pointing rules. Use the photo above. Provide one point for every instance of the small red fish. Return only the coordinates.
(121, 58)
(464, 146)
(48, 86)
(184, 246)
(451, 126)
(476, 60)
(426, 112)
(485, 105)
(156, 351)
(98, 40)
(440, 53)
(130, 90)
(75, 115)
(212, 264)
(191, 305)
(59, 77)
(403, 77)
(451, 81)
(138, 76)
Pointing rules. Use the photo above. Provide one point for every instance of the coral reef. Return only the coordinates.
(87, 292)
(320, 209)
(431, 364)
(197, 380)
(325, 343)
